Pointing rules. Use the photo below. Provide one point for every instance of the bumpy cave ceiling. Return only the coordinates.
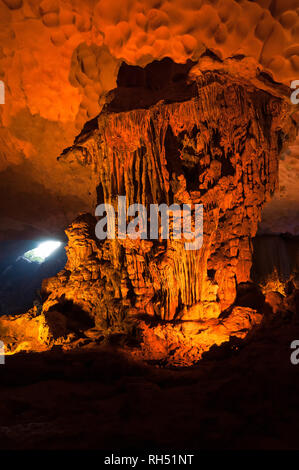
(59, 58)
(180, 105)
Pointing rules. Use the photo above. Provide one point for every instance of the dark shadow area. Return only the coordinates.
(250, 295)
(277, 254)
(140, 88)
(76, 319)
(155, 76)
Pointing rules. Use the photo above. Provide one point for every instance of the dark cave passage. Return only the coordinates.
(276, 257)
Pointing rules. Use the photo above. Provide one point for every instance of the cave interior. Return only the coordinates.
(135, 341)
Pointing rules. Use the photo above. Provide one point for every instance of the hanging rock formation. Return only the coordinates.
(168, 135)
(58, 59)
(212, 140)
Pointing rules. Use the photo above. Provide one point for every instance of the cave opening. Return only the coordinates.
(42, 251)
(24, 265)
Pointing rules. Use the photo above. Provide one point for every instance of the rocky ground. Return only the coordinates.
(242, 395)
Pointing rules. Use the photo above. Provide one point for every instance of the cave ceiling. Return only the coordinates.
(59, 59)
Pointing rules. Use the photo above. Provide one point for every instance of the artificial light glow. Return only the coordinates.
(42, 251)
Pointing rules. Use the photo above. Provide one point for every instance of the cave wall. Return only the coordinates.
(212, 140)
(58, 59)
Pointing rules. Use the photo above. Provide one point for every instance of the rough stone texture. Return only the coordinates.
(24, 332)
(243, 395)
(58, 58)
(281, 214)
(182, 345)
(185, 136)
(213, 140)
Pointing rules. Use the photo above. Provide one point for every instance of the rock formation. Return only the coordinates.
(175, 134)
(58, 59)
(186, 137)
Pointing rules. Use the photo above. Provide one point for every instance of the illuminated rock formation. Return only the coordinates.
(212, 139)
(58, 58)
(170, 133)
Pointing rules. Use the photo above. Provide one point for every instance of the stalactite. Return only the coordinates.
(216, 144)
(213, 141)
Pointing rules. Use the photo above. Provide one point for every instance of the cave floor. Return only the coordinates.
(97, 398)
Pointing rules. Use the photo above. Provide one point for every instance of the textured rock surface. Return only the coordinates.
(213, 140)
(59, 57)
(184, 344)
(171, 133)
(25, 332)
(244, 395)
(281, 214)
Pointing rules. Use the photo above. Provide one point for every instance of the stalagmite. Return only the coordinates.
(207, 137)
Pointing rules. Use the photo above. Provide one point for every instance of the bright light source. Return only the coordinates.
(45, 249)
(42, 251)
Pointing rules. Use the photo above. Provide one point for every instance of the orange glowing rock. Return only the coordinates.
(217, 145)
(26, 332)
(183, 344)
(58, 59)
(169, 133)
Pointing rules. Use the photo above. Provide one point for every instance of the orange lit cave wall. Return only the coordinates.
(207, 129)
(58, 59)
(218, 145)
